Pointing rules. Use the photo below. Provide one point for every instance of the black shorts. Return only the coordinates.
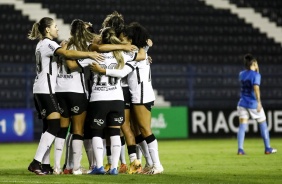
(45, 104)
(102, 114)
(71, 103)
(148, 105)
(127, 97)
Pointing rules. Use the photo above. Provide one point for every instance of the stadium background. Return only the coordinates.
(197, 54)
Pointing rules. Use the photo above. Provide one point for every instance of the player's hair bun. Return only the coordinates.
(249, 57)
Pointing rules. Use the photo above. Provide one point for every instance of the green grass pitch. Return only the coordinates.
(185, 161)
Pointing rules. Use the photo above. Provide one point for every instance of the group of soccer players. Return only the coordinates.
(78, 88)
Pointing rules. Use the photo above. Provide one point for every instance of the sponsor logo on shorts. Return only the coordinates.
(75, 109)
(119, 120)
(43, 113)
(99, 122)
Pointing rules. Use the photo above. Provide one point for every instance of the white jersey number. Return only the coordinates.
(112, 81)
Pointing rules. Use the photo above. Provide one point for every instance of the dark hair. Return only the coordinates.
(38, 28)
(137, 33)
(248, 61)
(114, 20)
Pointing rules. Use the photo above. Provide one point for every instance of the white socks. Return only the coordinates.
(153, 149)
(77, 152)
(44, 144)
(98, 149)
(115, 150)
(59, 147)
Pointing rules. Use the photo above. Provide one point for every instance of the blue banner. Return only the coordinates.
(16, 125)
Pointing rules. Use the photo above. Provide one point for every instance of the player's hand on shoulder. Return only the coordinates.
(64, 44)
(96, 56)
(130, 48)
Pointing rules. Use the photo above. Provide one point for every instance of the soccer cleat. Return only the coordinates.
(146, 169)
(122, 168)
(47, 169)
(240, 152)
(113, 171)
(96, 170)
(90, 169)
(57, 171)
(156, 170)
(270, 151)
(79, 171)
(139, 170)
(36, 168)
(67, 171)
(107, 167)
(134, 167)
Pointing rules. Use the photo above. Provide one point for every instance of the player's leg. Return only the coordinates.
(88, 145)
(261, 119)
(97, 113)
(46, 167)
(60, 143)
(52, 116)
(143, 118)
(123, 166)
(141, 145)
(68, 165)
(77, 142)
(243, 123)
(107, 145)
(135, 165)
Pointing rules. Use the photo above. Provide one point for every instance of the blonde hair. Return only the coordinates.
(80, 36)
(109, 37)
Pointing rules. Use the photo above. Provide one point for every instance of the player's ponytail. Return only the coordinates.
(38, 28)
(109, 37)
(34, 32)
(80, 36)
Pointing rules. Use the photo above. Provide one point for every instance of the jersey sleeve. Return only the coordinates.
(129, 56)
(120, 73)
(52, 47)
(85, 62)
(257, 79)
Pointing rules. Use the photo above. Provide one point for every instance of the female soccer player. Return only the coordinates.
(106, 103)
(115, 20)
(72, 96)
(249, 105)
(142, 93)
(45, 82)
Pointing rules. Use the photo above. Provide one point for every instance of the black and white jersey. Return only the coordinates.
(70, 81)
(140, 84)
(139, 80)
(46, 67)
(107, 87)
